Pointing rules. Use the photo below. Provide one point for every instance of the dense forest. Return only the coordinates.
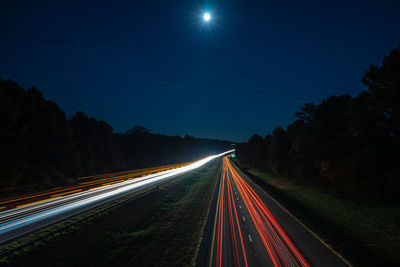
(41, 148)
(350, 144)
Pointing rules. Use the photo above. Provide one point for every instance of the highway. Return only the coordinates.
(41, 210)
(251, 229)
(83, 184)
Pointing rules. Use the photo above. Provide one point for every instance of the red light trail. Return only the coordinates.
(265, 234)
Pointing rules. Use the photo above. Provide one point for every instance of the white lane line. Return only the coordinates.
(251, 240)
(237, 198)
(240, 207)
(244, 219)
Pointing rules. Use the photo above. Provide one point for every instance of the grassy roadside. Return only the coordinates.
(368, 234)
(177, 242)
(30, 242)
(161, 228)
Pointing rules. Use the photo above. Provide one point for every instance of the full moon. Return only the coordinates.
(207, 16)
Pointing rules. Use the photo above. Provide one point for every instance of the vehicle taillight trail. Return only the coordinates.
(247, 233)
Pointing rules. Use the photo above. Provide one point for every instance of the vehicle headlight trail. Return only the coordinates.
(28, 214)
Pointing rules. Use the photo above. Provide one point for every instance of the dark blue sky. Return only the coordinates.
(156, 64)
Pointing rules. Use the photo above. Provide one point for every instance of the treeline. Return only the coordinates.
(140, 148)
(41, 148)
(351, 144)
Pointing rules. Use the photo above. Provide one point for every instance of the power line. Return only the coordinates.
(207, 86)
(189, 63)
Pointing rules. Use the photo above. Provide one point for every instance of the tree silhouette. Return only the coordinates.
(350, 144)
(384, 86)
(138, 130)
(40, 148)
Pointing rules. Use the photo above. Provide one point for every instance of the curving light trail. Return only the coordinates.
(84, 184)
(22, 216)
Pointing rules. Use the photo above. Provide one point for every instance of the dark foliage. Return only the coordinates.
(350, 144)
(141, 149)
(40, 148)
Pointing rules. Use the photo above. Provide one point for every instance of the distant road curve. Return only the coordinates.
(24, 219)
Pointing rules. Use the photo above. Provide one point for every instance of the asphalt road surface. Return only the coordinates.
(27, 218)
(251, 229)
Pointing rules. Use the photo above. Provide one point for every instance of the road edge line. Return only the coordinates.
(299, 222)
(215, 220)
(194, 260)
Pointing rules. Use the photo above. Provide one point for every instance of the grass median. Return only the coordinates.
(161, 228)
(368, 234)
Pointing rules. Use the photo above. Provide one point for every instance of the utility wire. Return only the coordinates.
(207, 86)
(189, 63)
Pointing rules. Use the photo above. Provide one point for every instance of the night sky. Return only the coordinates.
(157, 64)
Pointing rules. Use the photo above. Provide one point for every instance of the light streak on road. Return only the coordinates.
(266, 241)
(20, 217)
(84, 183)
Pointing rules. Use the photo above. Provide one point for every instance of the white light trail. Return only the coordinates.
(90, 196)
